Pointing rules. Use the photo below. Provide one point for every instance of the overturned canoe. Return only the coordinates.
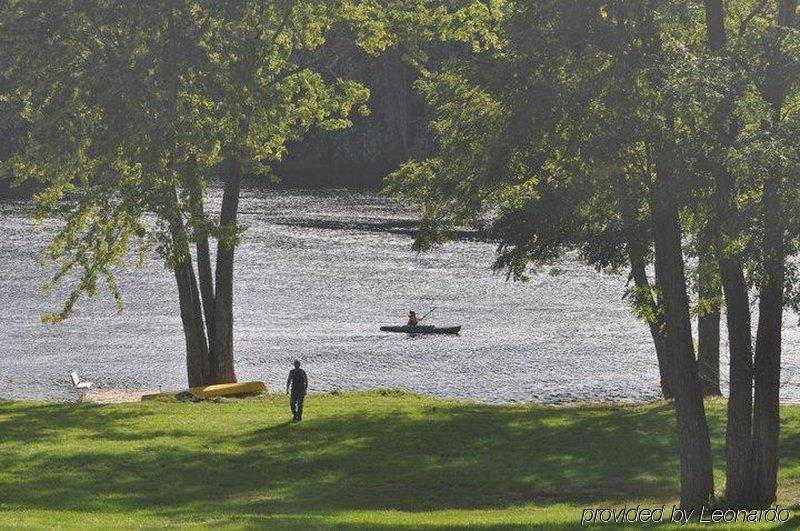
(209, 391)
(230, 389)
(422, 329)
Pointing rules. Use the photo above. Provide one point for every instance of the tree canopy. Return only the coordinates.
(637, 132)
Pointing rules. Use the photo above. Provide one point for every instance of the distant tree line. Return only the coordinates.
(395, 130)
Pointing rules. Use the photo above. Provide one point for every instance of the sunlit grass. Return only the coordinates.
(358, 460)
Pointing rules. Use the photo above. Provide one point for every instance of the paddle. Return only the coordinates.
(427, 314)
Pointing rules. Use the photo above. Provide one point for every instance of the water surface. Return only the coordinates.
(316, 275)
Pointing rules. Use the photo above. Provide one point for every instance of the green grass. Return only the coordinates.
(358, 460)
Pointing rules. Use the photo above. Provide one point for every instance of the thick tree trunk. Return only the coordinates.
(197, 359)
(738, 437)
(697, 477)
(715, 24)
(697, 480)
(222, 349)
(198, 367)
(767, 367)
(708, 324)
(767, 364)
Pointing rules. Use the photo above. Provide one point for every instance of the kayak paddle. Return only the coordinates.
(427, 314)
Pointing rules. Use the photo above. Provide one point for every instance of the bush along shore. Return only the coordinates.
(384, 459)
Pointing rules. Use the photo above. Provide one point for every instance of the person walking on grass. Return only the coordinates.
(298, 383)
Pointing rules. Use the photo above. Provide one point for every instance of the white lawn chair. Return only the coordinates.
(81, 387)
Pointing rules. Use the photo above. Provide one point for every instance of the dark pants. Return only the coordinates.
(296, 404)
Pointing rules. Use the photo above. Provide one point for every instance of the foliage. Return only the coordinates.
(130, 109)
(117, 98)
(549, 136)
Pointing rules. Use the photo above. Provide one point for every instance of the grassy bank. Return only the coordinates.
(358, 460)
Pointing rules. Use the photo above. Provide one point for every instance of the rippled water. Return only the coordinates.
(316, 275)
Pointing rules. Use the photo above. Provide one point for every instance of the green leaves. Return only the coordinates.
(117, 100)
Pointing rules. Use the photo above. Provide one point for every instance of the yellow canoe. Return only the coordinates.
(231, 389)
(208, 391)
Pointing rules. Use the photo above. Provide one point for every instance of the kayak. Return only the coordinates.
(231, 389)
(424, 329)
(210, 391)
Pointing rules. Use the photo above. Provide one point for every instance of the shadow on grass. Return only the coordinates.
(453, 456)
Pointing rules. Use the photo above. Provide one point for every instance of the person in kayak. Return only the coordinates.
(298, 383)
(413, 320)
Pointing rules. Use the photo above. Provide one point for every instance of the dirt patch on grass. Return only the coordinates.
(116, 396)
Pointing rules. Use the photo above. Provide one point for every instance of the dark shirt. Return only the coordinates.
(298, 381)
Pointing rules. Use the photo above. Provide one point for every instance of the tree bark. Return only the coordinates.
(708, 322)
(222, 350)
(697, 477)
(203, 249)
(198, 367)
(697, 480)
(767, 366)
(715, 24)
(767, 363)
(738, 436)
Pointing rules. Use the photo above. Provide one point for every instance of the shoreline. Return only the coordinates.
(104, 396)
(119, 395)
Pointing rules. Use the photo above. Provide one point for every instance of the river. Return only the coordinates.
(317, 273)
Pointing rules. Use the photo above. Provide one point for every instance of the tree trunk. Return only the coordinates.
(767, 364)
(697, 476)
(715, 24)
(198, 367)
(222, 350)
(708, 323)
(738, 436)
(644, 293)
(639, 274)
(697, 480)
(203, 250)
(767, 367)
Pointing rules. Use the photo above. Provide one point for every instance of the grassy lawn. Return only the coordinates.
(358, 460)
